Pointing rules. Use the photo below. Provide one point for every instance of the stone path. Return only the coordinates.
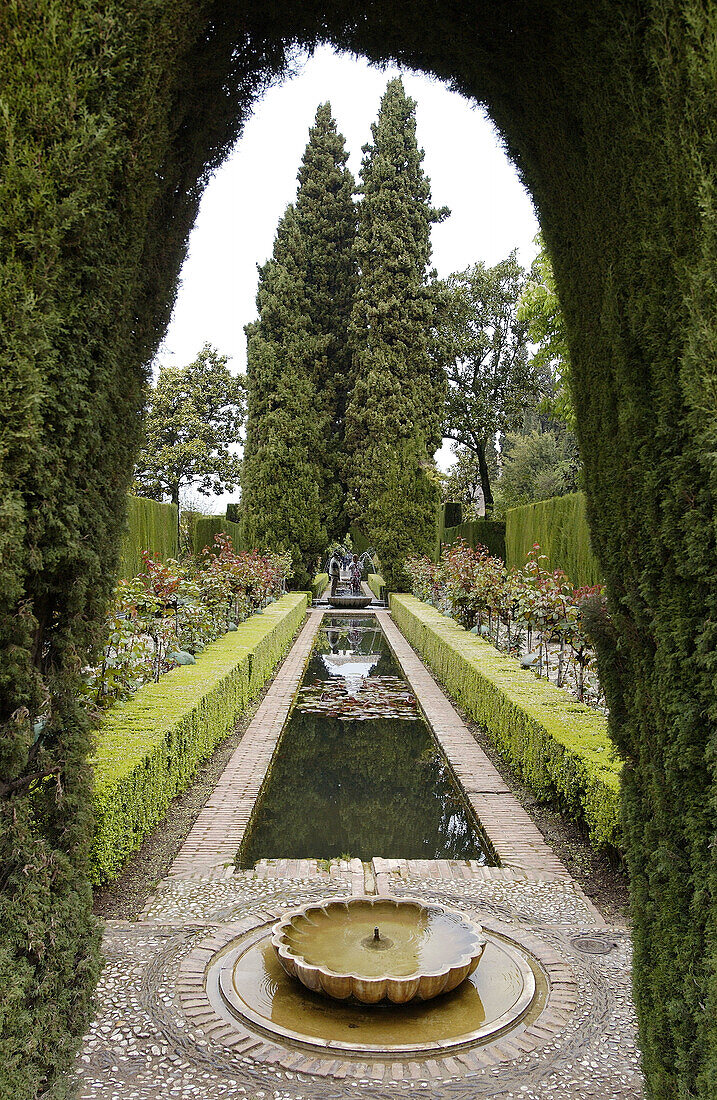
(158, 1033)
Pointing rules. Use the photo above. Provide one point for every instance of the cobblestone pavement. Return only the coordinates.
(157, 1034)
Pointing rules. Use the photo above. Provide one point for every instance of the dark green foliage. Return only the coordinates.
(480, 532)
(299, 363)
(559, 526)
(537, 465)
(393, 421)
(113, 117)
(607, 108)
(281, 474)
(359, 542)
(234, 512)
(452, 514)
(150, 526)
(326, 221)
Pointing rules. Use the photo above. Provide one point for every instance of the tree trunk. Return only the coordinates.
(485, 479)
(175, 500)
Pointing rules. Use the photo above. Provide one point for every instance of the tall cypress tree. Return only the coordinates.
(326, 220)
(393, 420)
(281, 479)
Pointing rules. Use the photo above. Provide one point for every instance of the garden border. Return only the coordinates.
(560, 747)
(150, 747)
(377, 585)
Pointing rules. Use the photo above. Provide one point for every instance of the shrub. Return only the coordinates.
(150, 747)
(559, 747)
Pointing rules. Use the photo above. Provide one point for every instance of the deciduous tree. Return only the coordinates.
(194, 415)
(483, 347)
(540, 309)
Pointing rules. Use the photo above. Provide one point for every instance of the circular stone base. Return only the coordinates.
(246, 983)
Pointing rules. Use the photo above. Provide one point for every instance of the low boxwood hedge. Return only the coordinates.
(559, 747)
(150, 747)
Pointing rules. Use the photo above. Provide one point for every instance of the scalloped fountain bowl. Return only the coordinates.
(372, 949)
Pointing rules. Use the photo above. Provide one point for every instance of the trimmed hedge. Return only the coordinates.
(318, 585)
(486, 532)
(559, 747)
(560, 526)
(204, 528)
(150, 526)
(150, 747)
(377, 585)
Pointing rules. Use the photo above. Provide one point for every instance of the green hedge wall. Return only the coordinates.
(560, 526)
(487, 532)
(150, 526)
(559, 747)
(204, 528)
(377, 585)
(150, 747)
(319, 584)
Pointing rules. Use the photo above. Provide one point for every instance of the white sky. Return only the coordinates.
(469, 172)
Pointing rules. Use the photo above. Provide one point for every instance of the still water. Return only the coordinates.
(357, 771)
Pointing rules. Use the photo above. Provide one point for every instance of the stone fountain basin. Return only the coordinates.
(422, 949)
(348, 602)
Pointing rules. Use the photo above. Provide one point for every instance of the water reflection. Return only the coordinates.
(357, 771)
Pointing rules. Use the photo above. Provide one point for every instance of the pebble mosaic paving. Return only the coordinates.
(156, 1034)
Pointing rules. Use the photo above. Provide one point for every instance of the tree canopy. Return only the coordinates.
(194, 415)
(482, 345)
(394, 413)
(539, 308)
(282, 476)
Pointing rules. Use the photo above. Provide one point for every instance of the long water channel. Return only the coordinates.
(357, 771)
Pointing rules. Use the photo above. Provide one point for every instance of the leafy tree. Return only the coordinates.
(325, 216)
(463, 482)
(393, 415)
(194, 414)
(536, 466)
(483, 347)
(281, 474)
(540, 309)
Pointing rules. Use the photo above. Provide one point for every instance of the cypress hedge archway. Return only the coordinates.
(112, 116)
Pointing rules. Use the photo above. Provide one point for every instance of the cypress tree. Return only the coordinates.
(281, 478)
(326, 219)
(394, 414)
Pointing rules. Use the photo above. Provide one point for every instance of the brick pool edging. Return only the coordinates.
(150, 747)
(515, 839)
(216, 835)
(559, 746)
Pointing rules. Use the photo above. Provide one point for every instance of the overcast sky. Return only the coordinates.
(469, 172)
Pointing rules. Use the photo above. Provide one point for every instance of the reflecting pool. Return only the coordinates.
(357, 771)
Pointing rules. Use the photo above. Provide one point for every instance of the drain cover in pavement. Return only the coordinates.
(593, 945)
